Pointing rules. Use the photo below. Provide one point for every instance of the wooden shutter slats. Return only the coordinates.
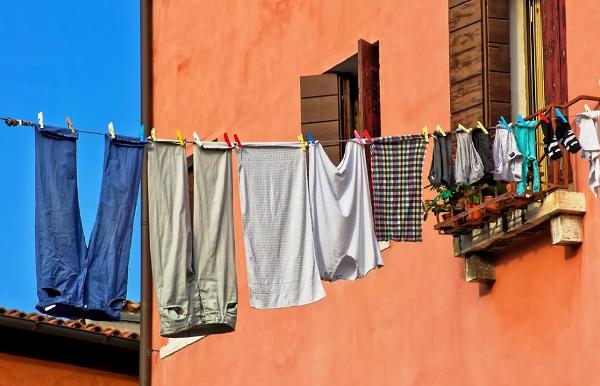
(465, 38)
(464, 14)
(320, 109)
(319, 85)
(479, 60)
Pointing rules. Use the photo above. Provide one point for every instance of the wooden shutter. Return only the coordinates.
(320, 110)
(479, 61)
(368, 88)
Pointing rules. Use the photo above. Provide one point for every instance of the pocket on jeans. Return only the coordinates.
(175, 312)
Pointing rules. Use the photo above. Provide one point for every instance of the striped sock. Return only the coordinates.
(567, 137)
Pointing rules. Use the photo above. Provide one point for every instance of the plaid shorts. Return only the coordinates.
(396, 168)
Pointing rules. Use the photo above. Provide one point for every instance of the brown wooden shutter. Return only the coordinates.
(320, 110)
(368, 88)
(479, 61)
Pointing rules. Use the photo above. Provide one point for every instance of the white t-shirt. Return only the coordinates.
(345, 243)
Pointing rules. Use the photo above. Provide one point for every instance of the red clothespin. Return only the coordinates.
(357, 136)
(367, 136)
(227, 141)
(237, 141)
(543, 117)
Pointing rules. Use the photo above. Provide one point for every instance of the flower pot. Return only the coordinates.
(491, 206)
(455, 223)
(475, 217)
(511, 187)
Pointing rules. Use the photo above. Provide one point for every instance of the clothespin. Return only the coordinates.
(302, 141)
(543, 117)
(180, 137)
(196, 138)
(586, 108)
(426, 133)
(237, 141)
(482, 127)
(503, 122)
(367, 136)
(439, 129)
(70, 125)
(41, 119)
(520, 118)
(461, 127)
(310, 137)
(111, 130)
(227, 141)
(153, 134)
(560, 115)
(141, 133)
(357, 136)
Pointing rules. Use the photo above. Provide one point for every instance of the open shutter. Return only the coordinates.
(479, 61)
(320, 110)
(368, 88)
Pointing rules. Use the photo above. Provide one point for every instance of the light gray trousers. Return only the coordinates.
(194, 277)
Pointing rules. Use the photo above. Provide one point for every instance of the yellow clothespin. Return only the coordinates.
(426, 133)
(439, 129)
(111, 130)
(153, 134)
(70, 125)
(480, 125)
(461, 127)
(302, 141)
(180, 137)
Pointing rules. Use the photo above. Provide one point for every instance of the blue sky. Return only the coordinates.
(75, 58)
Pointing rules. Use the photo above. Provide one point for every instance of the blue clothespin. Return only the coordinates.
(560, 115)
(503, 122)
(141, 133)
(310, 137)
(520, 118)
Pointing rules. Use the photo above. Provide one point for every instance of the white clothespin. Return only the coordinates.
(587, 108)
(111, 130)
(196, 138)
(41, 119)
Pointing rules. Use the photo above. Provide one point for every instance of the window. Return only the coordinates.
(507, 57)
(343, 99)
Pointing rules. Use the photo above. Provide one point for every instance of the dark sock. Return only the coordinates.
(566, 136)
(551, 147)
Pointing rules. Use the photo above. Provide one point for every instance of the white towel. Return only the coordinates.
(280, 255)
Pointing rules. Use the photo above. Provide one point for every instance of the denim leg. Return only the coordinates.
(110, 243)
(59, 240)
(533, 155)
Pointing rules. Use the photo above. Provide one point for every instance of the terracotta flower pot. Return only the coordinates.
(491, 206)
(475, 217)
(511, 187)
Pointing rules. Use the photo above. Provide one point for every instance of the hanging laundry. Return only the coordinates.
(73, 280)
(60, 247)
(508, 159)
(278, 235)
(468, 167)
(441, 172)
(525, 136)
(110, 243)
(551, 148)
(345, 243)
(396, 169)
(170, 230)
(483, 146)
(213, 242)
(590, 145)
(567, 138)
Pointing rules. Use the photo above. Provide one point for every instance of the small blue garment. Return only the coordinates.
(108, 252)
(525, 137)
(75, 281)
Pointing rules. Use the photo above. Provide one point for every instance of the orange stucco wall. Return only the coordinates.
(235, 66)
(15, 370)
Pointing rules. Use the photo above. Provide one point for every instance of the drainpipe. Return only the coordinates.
(147, 105)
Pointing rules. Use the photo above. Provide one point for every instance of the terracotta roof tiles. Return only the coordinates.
(128, 306)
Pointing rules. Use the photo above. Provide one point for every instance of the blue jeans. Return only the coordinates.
(75, 281)
(59, 240)
(105, 285)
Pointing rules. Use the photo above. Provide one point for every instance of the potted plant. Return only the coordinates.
(488, 199)
(473, 199)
